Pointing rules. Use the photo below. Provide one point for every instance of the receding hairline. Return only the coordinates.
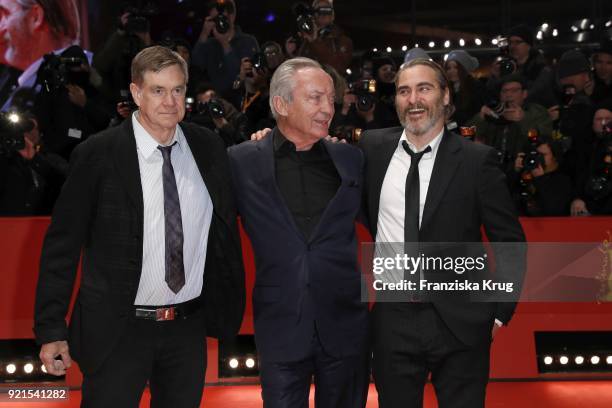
(157, 71)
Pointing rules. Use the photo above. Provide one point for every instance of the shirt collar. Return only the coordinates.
(283, 146)
(28, 77)
(147, 145)
(434, 144)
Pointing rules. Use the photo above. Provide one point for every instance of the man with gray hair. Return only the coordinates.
(146, 206)
(299, 196)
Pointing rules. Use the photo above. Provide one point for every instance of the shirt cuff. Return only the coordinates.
(499, 323)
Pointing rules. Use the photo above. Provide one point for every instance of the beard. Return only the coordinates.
(433, 113)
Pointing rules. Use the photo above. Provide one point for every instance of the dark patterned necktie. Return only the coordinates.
(175, 270)
(413, 187)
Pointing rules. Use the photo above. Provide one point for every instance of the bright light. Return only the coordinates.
(494, 41)
(461, 42)
(348, 71)
(584, 23)
(250, 363)
(11, 368)
(539, 35)
(555, 33)
(233, 363)
(389, 49)
(13, 118)
(375, 49)
(446, 44)
(580, 37)
(548, 360)
(564, 360)
(416, 45)
(445, 57)
(592, 26)
(28, 368)
(579, 360)
(43, 369)
(432, 44)
(609, 360)
(574, 28)
(595, 360)
(544, 26)
(404, 48)
(608, 23)
(478, 41)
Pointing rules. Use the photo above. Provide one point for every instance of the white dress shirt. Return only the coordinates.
(196, 213)
(390, 227)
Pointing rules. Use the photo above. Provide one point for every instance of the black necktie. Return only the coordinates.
(175, 270)
(411, 215)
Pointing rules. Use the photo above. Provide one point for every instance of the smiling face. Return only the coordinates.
(161, 101)
(307, 116)
(16, 29)
(420, 102)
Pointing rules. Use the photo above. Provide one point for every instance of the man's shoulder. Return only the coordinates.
(369, 137)
(244, 149)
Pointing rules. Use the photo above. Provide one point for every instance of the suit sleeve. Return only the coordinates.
(61, 250)
(503, 229)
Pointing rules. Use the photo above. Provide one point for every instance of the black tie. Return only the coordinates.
(411, 215)
(175, 270)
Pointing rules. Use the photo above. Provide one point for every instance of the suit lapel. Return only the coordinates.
(126, 163)
(378, 160)
(447, 160)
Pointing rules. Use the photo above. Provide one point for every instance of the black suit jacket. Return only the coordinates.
(302, 282)
(99, 215)
(467, 191)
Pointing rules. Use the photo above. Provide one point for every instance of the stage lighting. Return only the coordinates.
(43, 368)
(595, 360)
(389, 49)
(539, 35)
(416, 45)
(548, 360)
(574, 29)
(445, 57)
(374, 49)
(579, 360)
(564, 360)
(609, 360)
(494, 41)
(233, 363)
(461, 42)
(608, 23)
(544, 27)
(28, 368)
(404, 48)
(250, 363)
(592, 26)
(555, 33)
(432, 44)
(446, 44)
(478, 41)
(11, 368)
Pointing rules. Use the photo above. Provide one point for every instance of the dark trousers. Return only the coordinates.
(410, 342)
(339, 382)
(171, 355)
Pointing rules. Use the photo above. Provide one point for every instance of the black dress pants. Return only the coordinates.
(170, 355)
(411, 341)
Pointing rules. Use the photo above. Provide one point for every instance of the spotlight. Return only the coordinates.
(544, 26)
(580, 37)
(539, 35)
(28, 368)
(11, 368)
(445, 57)
(416, 45)
(348, 71)
(494, 41)
(374, 49)
(574, 29)
(404, 48)
(595, 360)
(461, 42)
(608, 23)
(548, 360)
(555, 33)
(579, 360)
(43, 368)
(446, 44)
(584, 23)
(609, 360)
(250, 363)
(233, 363)
(564, 360)
(478, 41)
(432, 44)
(14, 118)
(389, 49)
(592, 26)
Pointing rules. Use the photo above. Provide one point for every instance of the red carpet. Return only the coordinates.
(554, 394)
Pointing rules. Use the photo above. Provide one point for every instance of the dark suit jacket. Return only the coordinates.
(100, 214)
(467, 190)
(302, 283)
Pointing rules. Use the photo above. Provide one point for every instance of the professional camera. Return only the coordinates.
(365, 90)
(214, 108)
(600, 185)
(349, 133)
(533, 158)
(13, 124)
(304, 17)
(259, 61)
(57, 71)
(222, 23)
(507, 64)
(568, 93)
(469, 132)
(139, 18)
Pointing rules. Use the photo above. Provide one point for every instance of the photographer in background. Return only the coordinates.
(216, 114)
(255, 78)
(593, 186)
(324, 41)
(537, 186)
(602, 67)
(113, 61)
(30, 177)
(221, 47)
(506, 126)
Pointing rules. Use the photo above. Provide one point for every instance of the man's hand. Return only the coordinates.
(348, 99)
(48, 353)
(260, 134)
(246, 68)
(538, 171)
(578, 207)
(207, 28)
(124, 110)
(220, 122)
(29, 151)
(310, 37)
(486, 111)
(514, 114)
(76, 94)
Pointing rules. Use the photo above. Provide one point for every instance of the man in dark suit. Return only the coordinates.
(147, 207)
(299, 196)
(426, 184)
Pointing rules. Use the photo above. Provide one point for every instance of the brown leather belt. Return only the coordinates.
(168, 312)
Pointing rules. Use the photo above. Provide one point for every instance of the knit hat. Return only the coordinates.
(523, 32)
(462, 57)
(572, 62)
(415, 53)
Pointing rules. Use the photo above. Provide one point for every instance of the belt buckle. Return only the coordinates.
(164, 314)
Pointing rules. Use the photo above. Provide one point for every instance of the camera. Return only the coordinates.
(347, 132)
(222, 22)
(533, 158)
(214, 108)
(57, 71)
(304, 17)
(365, 90)
(259, 61)
(13, 124)
(507, 64)
(568, 93)
(139, 18)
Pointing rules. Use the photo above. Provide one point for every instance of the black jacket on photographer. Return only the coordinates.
(63, 123)
(30, 187)
(549, 194)
(233, 132)
(593, 184)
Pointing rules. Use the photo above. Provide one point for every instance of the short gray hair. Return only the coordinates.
(282, 82)
(154, 59)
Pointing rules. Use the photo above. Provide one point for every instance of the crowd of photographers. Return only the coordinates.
(549, 119)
